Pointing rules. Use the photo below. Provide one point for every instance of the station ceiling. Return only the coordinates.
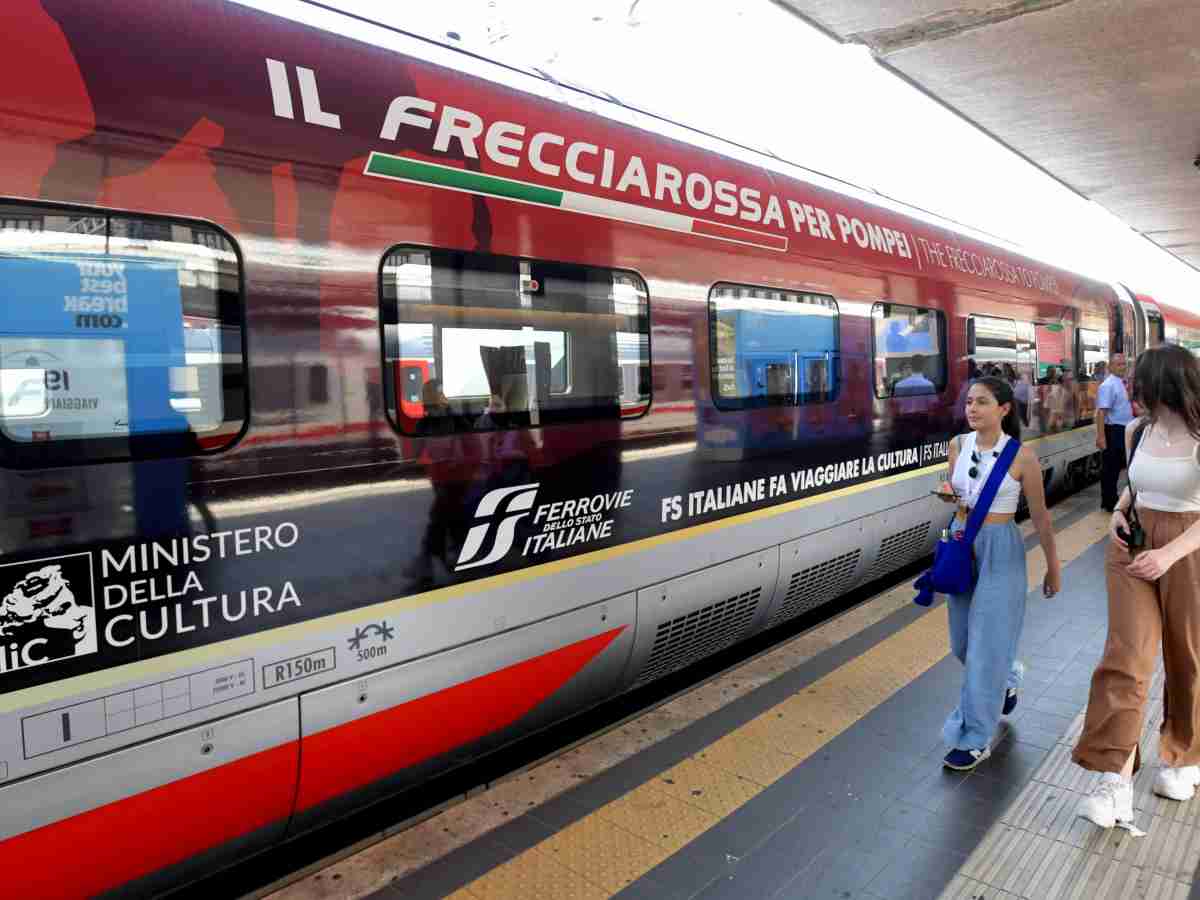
(1104, 95)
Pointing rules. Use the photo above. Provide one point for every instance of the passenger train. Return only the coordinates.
(366, 405)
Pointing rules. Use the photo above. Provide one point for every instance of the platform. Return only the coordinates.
(814, 771)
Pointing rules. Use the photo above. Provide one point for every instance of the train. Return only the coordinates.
(367, 405)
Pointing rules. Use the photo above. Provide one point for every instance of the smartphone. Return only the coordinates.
(945, 495)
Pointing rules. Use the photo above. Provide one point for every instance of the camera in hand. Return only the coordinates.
(1135, 536)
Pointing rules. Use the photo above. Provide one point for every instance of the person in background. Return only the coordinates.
(1023, 393)
(1055, 401)
(1153, 596)
(985, 625)
(1045, 385)
(913, 380)
(1113, 413)
(915, 395)
(448, 462)
(1070, 388)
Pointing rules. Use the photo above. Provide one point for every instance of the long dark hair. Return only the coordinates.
(1168, 375)
(1003, 392)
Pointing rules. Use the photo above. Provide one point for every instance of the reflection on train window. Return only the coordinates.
(771, 347)
(1091, 348)
(469, 346)
(1053, 353)
(1157, 328)
(119, 336)
(1188, 337)
(474, 341)
(910, 350)
(992, 344)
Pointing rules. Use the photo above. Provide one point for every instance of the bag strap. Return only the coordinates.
(1137, 439)
(984, 503)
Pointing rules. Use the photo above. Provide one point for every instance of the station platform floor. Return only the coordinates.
(814, 771)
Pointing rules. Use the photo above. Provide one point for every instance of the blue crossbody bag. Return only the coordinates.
(953, 569)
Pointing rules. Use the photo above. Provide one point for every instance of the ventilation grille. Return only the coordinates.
(700, 633)
(817, 584)
(899, 550)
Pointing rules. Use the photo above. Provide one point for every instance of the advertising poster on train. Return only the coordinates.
(139, 599)
(90, 348)
(47, 611)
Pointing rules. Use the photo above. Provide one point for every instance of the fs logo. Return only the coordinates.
(504, 508)
(47, 611)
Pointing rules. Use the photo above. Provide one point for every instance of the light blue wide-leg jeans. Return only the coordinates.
(985, 628)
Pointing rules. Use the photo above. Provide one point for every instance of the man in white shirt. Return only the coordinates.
(1113, 413)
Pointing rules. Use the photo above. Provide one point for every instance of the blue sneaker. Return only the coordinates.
(1010, 694)
(965, 760)
(1010, 701)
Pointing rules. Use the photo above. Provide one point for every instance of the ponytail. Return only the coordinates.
(1003, 392)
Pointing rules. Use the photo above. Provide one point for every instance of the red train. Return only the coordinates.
(365, 406)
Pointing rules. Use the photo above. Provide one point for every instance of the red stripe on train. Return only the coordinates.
(140, 834)
(129, 838)
(358, 753)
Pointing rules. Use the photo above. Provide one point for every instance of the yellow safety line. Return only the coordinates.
(247, 644)
(618, 843)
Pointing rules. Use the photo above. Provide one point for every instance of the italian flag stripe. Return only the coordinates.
(400, 168)
(405, 169)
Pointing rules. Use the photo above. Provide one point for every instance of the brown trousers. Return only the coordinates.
(1140, 615)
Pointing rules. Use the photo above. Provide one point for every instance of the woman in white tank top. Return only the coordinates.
(1153, 595)
(985, 624)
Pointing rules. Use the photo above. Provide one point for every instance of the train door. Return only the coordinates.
(1049, 397)
(1128, 344)
(992, 346)
(1156, 327)
(1025, 390)
(1091, 361)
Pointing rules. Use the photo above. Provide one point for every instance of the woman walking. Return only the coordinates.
(1153, 595)
(985, 624)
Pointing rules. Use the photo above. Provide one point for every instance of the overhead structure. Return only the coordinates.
(1101, 95)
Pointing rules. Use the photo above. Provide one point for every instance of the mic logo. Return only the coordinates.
(497, 516)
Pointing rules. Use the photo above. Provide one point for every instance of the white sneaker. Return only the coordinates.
(1110, 802)
(1177, 784)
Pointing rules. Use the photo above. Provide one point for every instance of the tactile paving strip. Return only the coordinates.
(1041, 850)
(629, 836)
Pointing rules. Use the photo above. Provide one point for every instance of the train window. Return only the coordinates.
(910, 350)
(1091, 348)
(992, 344)
(771, 347)
(1158, 332)
(120, 337)
(318, 384)
(475, 341)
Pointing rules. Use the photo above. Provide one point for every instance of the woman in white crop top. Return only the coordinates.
(985, 624)
(1153, 595)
